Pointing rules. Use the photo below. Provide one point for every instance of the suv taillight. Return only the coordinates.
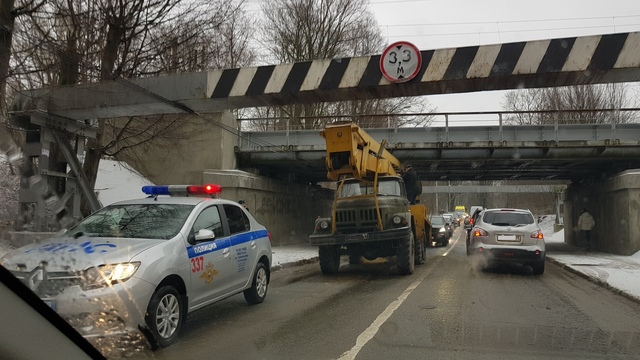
(537, 235)
(480, 232)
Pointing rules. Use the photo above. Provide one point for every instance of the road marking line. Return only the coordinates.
(371, 331)
(452, 246)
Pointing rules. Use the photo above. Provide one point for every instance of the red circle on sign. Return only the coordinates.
(400, 62)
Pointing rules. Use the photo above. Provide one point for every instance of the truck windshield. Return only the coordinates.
(385, 187)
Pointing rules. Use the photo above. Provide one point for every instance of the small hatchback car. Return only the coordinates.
(509, 236)
(144, 264)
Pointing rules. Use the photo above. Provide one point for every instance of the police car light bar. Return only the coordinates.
(182, 190)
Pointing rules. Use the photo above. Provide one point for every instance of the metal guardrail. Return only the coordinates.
(454, 132)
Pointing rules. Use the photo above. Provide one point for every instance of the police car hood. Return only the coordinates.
(68, 253)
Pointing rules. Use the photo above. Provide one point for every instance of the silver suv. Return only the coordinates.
(508, 235)
(147, 263)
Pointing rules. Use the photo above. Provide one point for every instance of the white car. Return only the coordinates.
(144, 264)
(508, 236)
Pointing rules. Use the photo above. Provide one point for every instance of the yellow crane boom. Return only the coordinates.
(353, 152)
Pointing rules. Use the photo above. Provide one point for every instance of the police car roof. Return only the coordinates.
(183, 200)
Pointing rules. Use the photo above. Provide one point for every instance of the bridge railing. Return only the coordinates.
(449, 119)
(446, 129)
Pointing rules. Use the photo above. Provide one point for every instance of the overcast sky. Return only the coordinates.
(436, 24)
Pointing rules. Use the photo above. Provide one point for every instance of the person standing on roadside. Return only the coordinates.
(585, 225)
(410, 178)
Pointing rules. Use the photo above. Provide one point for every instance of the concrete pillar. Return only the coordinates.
(615, 206)
(287, 210)
(208, 143)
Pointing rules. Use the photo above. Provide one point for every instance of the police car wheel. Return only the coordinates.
(165, 315)
(258, 290)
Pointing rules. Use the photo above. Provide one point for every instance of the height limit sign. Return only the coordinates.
(400, 62)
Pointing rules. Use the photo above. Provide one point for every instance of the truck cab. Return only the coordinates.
(371, 216)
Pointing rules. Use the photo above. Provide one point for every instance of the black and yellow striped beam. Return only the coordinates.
(531, 64)
(544, 63)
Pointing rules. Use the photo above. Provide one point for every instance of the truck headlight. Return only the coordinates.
(323, 225)
(107, 275)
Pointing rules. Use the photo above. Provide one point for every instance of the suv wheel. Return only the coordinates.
(165, 315)
(258, 290)
(538, 269)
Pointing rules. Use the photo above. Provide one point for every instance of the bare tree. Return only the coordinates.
(301, 30)
(569, 105)
(79, 41)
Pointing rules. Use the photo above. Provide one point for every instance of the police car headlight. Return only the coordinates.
(107, 275)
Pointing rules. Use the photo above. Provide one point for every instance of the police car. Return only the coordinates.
(144, 264)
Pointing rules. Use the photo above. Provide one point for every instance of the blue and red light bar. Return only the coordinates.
(182, 190)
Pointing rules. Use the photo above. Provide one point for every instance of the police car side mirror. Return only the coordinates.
(204, 235)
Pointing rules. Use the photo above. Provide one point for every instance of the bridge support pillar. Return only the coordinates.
(207, 142)
(615, 206)
(287, 210)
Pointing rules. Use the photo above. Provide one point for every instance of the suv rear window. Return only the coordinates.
(504, 218)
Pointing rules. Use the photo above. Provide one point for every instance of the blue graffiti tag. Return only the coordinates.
(87, 247)
(90, 249)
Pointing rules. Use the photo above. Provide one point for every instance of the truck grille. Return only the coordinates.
(356, 220)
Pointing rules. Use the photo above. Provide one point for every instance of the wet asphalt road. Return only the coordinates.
(447, 309)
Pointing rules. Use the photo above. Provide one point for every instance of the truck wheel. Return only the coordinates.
(405, 256)
(329, 258)
(421, 252)
(355, 259)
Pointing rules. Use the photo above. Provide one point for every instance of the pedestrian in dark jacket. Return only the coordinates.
(410, 178)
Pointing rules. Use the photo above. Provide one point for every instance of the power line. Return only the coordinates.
(511, 21)
(505, 31)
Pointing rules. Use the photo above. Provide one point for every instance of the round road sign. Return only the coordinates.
(400, 62)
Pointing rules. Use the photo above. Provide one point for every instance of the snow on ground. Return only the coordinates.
(619, 272)
(117, 182)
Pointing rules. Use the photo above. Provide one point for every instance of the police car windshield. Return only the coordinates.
(150, 221)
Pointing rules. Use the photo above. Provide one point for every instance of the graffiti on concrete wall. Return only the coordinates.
(275, 205)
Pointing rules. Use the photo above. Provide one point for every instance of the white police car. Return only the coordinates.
(144, 264)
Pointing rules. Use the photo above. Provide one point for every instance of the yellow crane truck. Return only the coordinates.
(371, 215)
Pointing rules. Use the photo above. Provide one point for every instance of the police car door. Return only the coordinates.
(211, 261)
(244, 251)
